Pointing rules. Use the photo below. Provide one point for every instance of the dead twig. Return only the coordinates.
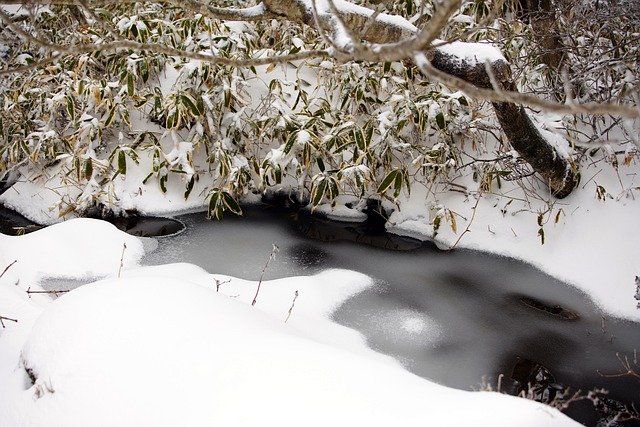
(274, 250)
(293, 303)
(54, 292)
(220, 283)
(2, 318)
(626, 364)
(124, 248)
(8, 267)
(467, 230)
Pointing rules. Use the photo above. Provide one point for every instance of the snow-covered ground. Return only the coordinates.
(160, 346)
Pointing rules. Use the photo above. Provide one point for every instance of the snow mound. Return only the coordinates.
(74, 249)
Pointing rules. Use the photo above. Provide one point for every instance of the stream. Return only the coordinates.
(465, 319)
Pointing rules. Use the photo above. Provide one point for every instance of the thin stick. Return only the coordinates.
(8, 267)
(55, 292)
(466, 230)
(6, 318)
(124, 248)
(220, 283)
(274, 251)
(293, 303)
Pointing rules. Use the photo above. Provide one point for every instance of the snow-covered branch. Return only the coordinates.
(258, 12)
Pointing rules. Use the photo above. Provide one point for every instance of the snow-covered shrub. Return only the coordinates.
(315, 128)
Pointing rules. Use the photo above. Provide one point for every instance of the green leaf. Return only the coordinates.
(122, 163)
(290, 142)
(231, 203)
(387, 181)
(278, 175)
(124, 113)
(173, 119)
(386, 68)
(359, 137)
(369, 136)
(130, 85)
(110, 117)
(76, 164)
(144, 70)
(318, 192)
(189, 102)
(144, 181)
(88, 169)
(215, 207)
(541, 234)
(334, 189)
(104, 13)
(163, 183)
(71, 110)
(189, 187)
(398, 184)
(320, 164)
(440, 121)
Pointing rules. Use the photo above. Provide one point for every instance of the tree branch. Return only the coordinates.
(8, 267)
(255, 13)
(149, 47)
(2, 318)
(502, 95)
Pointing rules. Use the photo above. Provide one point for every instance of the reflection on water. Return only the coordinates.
(453, 317)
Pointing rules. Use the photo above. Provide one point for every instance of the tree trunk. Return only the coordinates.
(543, 21)
(554, 167)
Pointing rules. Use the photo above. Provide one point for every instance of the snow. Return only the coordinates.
(472, 53)
(323, 7)
(98, 244)
(164, 346)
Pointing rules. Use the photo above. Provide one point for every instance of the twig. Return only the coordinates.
(626, 364)
(54, 292)
(274, 250)
(293, 303)
(124, 247)
(6, 318)
(466, 230)
(220, 283)
(8, 267)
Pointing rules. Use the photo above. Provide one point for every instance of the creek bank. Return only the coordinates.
(14, 224)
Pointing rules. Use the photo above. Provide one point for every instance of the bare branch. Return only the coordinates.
(2, 318)
(293, 304)
(255, 13)
(8, 267)
(53, 292)
(157, 48)
(476, 92)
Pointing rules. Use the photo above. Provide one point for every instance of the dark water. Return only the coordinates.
(458, 318)
(12, 223)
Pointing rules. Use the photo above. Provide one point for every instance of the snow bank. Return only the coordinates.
(75, 249)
